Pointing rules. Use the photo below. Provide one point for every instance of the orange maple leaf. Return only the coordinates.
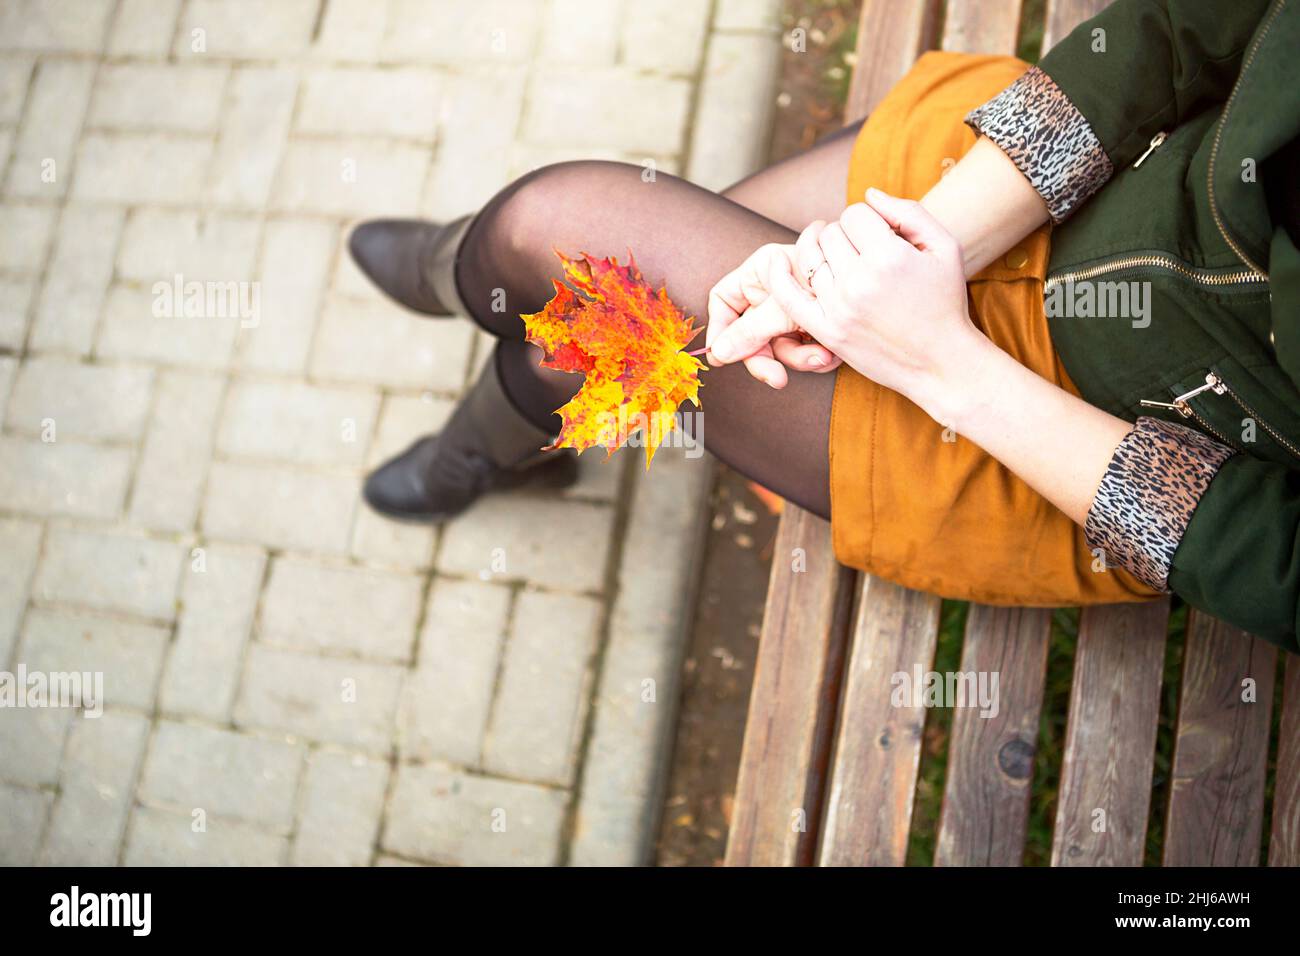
(609, 324)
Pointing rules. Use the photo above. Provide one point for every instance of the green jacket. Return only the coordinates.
(1149, 130)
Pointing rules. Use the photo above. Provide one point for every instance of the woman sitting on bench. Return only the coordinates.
(1096, 413)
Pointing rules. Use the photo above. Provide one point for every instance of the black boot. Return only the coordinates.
(413, 261)
(486, 446)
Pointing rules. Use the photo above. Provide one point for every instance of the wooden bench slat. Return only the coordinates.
(794, 700)
(991, 759)
(878, 750)
(1110, 735)
(1064, 15)
(891, 35)
(1216, 794)
(1284, 843)
(976, 26)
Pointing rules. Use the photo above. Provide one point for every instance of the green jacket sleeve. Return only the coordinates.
(1239, 558)
(1099, 96)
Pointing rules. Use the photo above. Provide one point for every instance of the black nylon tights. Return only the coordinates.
(687, 238)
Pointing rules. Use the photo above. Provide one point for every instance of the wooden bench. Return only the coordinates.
(829, 768)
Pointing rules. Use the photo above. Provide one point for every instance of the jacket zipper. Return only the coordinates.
(1214, 383)
(1156, 142)
(1218, 135)
(1159, 261)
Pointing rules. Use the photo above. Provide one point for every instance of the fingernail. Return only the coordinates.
(874, 193)
(816, 361)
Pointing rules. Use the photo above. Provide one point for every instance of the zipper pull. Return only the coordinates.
(1156, 140)
(1180, 405)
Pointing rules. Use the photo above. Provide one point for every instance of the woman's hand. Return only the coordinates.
(744, 293)
(888, 296)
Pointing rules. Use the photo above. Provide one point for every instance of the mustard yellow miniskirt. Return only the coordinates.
(909, 502)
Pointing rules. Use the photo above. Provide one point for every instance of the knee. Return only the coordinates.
(527, 212)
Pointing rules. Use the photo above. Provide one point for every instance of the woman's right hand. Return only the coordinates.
(780, 343)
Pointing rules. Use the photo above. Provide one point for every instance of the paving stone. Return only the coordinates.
(488, 30)
(358, 102)
(15, 72)
(599, 478)
(338, 609)
(158, 244)
(95, 790)
(575, 31)
(383, 541)
(161, 838)
(246, 29)
(295, 509)
(377, 343)
(294, 271)
(761, 15)
(78, 277)
(350, 31)
(734, 110)
(297, 422)
(218, 603)
(227, 774)
(153, 96)
(130, 656)
(65, 26)
(15, 303)
(472, 159)
(665, 36)
(22, 820)
(143, 27)
(541, 705)
(107, 402)
(447, 698)
(55, 106)
(110, 571)
(20, 543)
(404, 419)
(110, 165)
(445, 816)
(629, 750)
(351, 177)
(63, 478)
(26, 237)
(385, 859)
(131, 331)
(31, 743)
(8, 369)
(657, 124)
(177, 448)
(252, 139)
(522, 532)
(329, 700)
(342, 803)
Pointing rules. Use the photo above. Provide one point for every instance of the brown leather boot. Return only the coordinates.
(413, 261)
(486, 446)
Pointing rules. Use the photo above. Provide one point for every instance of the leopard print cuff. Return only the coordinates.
(1151, 487)
(1040, 130)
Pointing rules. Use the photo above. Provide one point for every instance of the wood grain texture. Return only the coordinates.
(878, 746)
(891, 35)
(779, 792)
(1064, 15)
(981, 26)
(991, 758)
(1284, 843)
(1105, 790)
(1216, 795)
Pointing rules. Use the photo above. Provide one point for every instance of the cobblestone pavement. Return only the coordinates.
(288, 679)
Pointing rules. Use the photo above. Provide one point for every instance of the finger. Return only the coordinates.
(803, 356)
(807, 254)
(911, 220)
(751, 332)
(804, 309)
(840, 253)
(738, 291)
(823, 284)
(767, 369)
(864, 226)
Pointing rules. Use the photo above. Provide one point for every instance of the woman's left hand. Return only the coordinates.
(889, 298)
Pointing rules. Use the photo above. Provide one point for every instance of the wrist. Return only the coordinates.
(954, 391)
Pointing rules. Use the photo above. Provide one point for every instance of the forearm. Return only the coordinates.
(986, 203)
(1057, 443)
